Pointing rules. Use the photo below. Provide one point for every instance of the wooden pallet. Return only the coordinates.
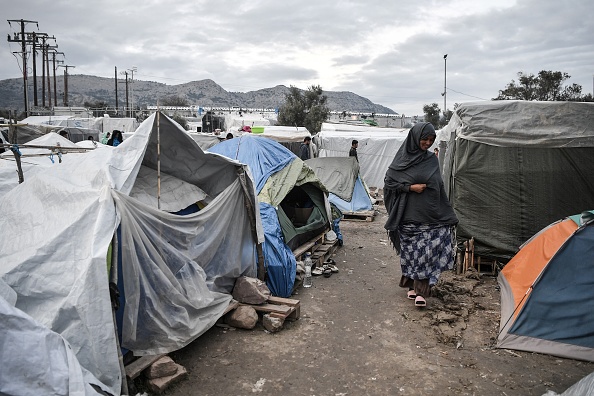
(310, 246)
(324, 252)
(364, 215)
(283, 308)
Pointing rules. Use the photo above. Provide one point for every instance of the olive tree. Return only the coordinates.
(304, 108)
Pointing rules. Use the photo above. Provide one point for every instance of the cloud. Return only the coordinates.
(389, 52)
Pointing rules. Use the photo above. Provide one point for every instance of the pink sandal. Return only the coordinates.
(420, 301)
(411, 295)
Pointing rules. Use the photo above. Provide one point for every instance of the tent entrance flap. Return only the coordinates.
(302, 215)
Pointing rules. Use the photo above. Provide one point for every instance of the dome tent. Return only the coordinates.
(293, 203)
(547, 291)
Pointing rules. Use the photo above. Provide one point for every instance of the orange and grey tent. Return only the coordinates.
(547, 292)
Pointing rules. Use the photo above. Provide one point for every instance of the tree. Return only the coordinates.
(99, 107)
(432, 114)
(174, 100)
(547, 86)
(306, 109)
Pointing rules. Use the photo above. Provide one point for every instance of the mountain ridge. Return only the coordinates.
(85, 88)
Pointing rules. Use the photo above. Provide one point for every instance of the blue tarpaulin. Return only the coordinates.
(360, 200)
(264, 156)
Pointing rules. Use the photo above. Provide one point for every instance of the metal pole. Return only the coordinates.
(34, 56)
(445, 91)
(116, 89)
(49, 77)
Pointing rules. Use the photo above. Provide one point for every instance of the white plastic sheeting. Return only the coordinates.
(377, 147)
(47, 359)
(284, 133)
(30, 165)
(175, 194)
(173, 255)
(233, 122)
(58, 224)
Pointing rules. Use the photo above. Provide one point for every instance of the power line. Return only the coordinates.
(462, 93)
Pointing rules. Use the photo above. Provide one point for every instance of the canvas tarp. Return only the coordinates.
(58, 225)
(377, 147)
(513, 167)
(337, 173)
(341, 177)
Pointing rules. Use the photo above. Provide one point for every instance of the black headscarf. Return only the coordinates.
(412, 165)
(410, 152)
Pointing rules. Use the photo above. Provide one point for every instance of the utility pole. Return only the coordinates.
(445, 92)
(116, 90)
(66, 83)
(127, 105)
(34, 37)
(132, 88)
(23, 41)
(54, 53)
(45, 67)
(127, 108)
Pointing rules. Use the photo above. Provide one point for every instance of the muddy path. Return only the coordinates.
(358, 334)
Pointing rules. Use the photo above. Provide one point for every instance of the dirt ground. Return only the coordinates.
(358, 334)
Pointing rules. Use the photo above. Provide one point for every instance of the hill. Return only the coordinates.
(83, 88)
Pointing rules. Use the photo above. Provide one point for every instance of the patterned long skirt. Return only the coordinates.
(426, 251)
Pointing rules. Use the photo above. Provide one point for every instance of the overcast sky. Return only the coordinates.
(389, 51)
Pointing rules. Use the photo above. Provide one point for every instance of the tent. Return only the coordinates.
(293, 203)
(177, 270)
(547, 292)
(235, 121)
(33, 159)
(341, 177)
(512, 167)
(377, 147)
(290, 137)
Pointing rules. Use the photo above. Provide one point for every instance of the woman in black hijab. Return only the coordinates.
(420, 218)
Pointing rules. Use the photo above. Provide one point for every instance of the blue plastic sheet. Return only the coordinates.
(281, 265)
(264, 156)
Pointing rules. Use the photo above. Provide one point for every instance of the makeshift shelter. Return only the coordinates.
(290, 137)
(377, 147)
(238, 120)
(293, 203)
(512, 167)
(547, 292)
(176, 270)
(33, 160)
(341, 177)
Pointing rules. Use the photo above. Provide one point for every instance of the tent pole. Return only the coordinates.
(252, 216)
(158, 157)
(113, 279)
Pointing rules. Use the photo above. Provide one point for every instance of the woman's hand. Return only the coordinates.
(418, 188)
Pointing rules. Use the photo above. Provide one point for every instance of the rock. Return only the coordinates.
(243, 317)
(163, 367)
(250, 291)
(158, 385)
(272, 323)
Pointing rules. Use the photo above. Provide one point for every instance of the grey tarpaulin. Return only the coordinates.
(513, 167)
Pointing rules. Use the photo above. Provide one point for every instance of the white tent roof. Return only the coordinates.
(377, 147)
(284, 133)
